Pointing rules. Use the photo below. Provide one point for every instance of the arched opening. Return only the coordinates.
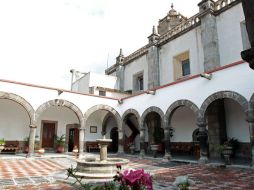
(226, 120)
(102, 120)
(154, 133)
(14, 124)
(184, 142)
(57, 118)
(131, 134)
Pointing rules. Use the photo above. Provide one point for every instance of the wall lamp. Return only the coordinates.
(152, 92)
(120, 101)
(207, 76)
(59, 92)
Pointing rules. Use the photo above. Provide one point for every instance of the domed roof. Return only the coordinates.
(172, 12)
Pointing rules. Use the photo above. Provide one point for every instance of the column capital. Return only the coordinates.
(32, 126)
(250, 116)
(201, 124)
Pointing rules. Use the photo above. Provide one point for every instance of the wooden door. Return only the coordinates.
(48, 135)
(73, 138)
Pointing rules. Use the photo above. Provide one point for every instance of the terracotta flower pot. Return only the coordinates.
(41, 150)
(60, 149)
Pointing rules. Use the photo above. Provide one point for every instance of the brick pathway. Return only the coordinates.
(27, 167)
(209, 177)
(42, 174)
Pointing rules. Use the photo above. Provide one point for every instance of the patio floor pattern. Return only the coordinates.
(40, 174)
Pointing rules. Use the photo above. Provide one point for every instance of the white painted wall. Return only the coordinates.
(94, 79)
(184, 123)
(61, 115)
(82, 84)
(235, 79)
(191, 41)
(137, 66)
(237, 126)
(95, 119)
(229, 34)
(14, 121)
(101, 80)
(38, 96)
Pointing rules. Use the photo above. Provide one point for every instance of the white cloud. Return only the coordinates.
(41, 40)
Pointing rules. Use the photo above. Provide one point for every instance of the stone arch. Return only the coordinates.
(105, 120)
(107, 108)
(149, 110)
(131, 111)
(252, 100)
(62, 103)
(179, 103)
(24, 103)
(220, 95)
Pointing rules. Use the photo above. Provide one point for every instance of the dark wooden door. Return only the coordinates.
(114, 137)
(48, 135)
(73, 138)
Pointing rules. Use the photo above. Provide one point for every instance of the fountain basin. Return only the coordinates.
(98, 170)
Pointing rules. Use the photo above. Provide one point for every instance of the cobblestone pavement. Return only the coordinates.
(49, 173)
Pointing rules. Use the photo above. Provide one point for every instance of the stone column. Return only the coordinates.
(153, 67)
(81, 141)
(120, 141)
(250, 120)
(203, 140)
(31, 140)
(167, 143)
(142, 142)
(209, 35)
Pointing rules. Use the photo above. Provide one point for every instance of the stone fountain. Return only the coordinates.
(102, 169)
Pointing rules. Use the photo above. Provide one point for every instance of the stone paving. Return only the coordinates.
(49, 173)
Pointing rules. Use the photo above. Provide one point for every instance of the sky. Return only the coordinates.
(42, 40)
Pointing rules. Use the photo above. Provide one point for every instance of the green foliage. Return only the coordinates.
(2, 141)
(233, 142)
(60, 141)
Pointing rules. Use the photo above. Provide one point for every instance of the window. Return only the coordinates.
(186, 67)
(138, 82)
(102, 93)
(181, 64)
(245, 37)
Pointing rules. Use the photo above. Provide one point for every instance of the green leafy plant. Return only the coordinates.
(2, 141)
(60, 140)
(231, 142)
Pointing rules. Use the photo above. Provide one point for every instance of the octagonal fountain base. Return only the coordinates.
(99, 171)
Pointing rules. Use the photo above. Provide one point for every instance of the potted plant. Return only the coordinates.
(228, 148)
(158, 137)
(60, 142)
(2, 143)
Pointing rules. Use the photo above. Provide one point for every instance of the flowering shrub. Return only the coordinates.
(126, 180)
(134, 180)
